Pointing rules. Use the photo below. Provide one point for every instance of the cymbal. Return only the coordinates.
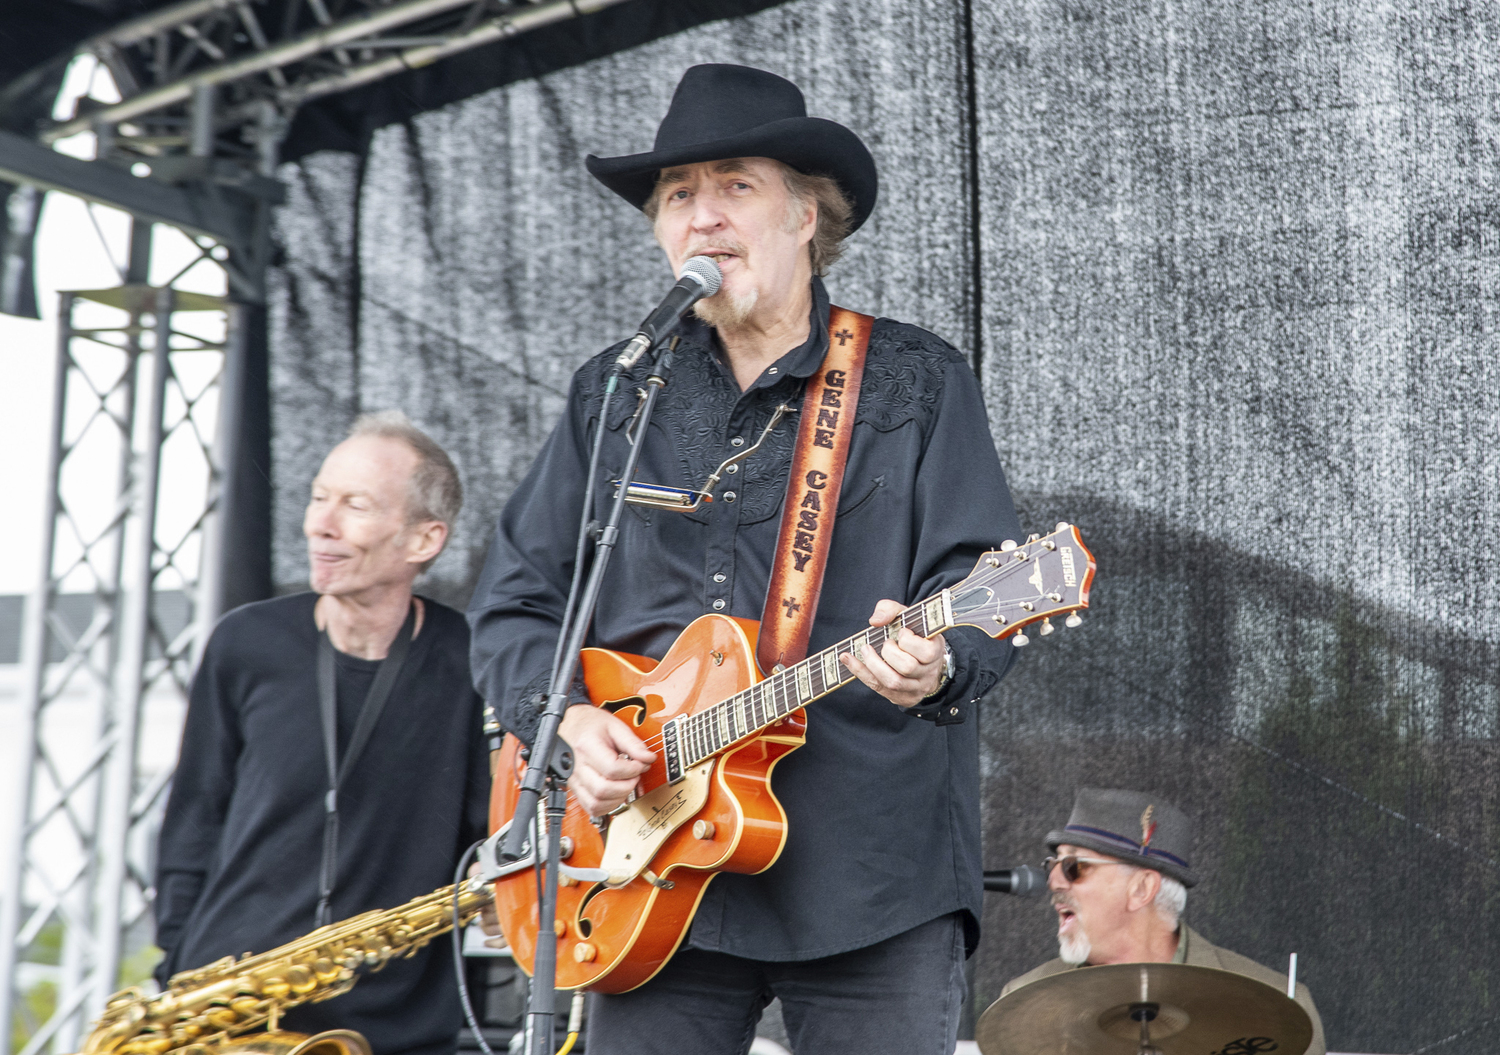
(1198, 1011)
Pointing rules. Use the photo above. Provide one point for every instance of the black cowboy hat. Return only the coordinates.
(721, 111)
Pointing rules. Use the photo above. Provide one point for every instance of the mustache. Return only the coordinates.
(708, 248)
(1063, 900)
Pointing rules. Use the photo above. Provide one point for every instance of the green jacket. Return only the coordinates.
(1197, 951)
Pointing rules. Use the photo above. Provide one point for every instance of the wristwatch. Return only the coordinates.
(948, 669)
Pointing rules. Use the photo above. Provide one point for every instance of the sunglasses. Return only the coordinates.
(1074, 867)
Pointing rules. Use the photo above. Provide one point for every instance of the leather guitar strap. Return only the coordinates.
(812, 493)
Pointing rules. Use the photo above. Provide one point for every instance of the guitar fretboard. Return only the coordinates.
(745, 714)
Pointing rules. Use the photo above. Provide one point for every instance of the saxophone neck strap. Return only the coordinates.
(812, 493)
(369, 713)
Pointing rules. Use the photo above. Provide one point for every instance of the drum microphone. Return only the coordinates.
(1023, 881)
(701, 278)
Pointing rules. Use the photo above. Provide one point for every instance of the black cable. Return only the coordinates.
(536, 871)
(536, 874)
(458, 952)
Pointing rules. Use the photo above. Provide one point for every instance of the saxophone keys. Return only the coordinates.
(301, 980)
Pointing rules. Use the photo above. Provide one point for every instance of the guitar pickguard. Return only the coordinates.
(638, 831)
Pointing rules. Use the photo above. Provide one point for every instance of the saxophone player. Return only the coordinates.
(333, 759)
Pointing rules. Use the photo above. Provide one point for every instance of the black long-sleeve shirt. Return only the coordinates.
(883, 810)
(242, 839)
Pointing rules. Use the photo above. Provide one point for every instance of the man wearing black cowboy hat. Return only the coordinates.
(1119, 875)
(862, 924)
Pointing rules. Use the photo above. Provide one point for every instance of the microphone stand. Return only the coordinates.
(551, 759)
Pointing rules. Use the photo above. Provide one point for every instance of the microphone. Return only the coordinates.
(700, 278)
(1022, 881)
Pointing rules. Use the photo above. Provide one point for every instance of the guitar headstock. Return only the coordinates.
(1020, 584)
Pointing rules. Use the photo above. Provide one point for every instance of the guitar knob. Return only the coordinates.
(584, 952)
(1073, 620)
(1047, 627)
(1020, 641)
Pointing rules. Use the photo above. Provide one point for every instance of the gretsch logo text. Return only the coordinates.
(1070, 577)
(661, 816)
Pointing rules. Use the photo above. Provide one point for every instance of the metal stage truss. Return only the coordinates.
(142, 373)
(266, 59)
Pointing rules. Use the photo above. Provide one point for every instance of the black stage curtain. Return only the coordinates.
(1228, 274)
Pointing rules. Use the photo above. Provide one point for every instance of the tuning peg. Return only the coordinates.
(1073, 620)
(1047, 627)
(1063, 525)
(1020, 641)
(1007, 545)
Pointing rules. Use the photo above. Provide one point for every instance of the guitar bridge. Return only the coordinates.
(673, 751)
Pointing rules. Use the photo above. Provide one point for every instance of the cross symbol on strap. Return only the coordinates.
(791, 605)
(843, 336)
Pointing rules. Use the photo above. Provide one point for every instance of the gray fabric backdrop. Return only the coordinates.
(1228, 274)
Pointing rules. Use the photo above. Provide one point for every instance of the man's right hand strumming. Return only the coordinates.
(608, 759)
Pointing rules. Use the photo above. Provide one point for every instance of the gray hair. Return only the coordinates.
(834, 214)
(435, 492)
(1171, 900)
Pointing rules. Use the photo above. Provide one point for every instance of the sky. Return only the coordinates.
(78, 247)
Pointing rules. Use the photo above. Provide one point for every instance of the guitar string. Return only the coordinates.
(910, 618)
(913, 614)
(785, 679)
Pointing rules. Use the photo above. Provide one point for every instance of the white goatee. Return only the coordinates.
(726, 308)
(1074, 948)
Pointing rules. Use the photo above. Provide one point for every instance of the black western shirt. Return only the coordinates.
(882, 808)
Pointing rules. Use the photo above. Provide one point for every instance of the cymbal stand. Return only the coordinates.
(1145, 1013)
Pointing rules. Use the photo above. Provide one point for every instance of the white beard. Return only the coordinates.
(727, 309)
(1074, 948)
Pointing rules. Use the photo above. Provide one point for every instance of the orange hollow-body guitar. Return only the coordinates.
(718, 729)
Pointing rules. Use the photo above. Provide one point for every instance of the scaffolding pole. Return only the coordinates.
(78, 866)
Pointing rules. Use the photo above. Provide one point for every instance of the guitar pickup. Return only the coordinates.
(672, 750)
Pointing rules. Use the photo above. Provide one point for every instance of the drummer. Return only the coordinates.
(1119, 875)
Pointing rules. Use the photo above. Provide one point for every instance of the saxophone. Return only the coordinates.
(218, 1009)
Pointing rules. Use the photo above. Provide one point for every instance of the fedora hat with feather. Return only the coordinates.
(722, 111)
(1133, 826)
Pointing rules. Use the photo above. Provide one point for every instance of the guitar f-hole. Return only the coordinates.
(618, 708)
(584, 924)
